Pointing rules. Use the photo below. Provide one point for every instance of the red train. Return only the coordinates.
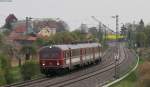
(58, 58)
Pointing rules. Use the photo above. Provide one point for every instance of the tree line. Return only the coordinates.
(138, 37)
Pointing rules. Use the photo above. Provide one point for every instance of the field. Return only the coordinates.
(113, 37)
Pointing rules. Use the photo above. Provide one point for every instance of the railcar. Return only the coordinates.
(58, 58)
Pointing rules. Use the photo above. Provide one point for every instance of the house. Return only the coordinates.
(27, 32)
(47, 32)
(20, 34)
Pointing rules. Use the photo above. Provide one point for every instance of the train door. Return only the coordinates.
(70, 59)
(85, 52)
(65, 57)
(81, 57)
(93, 54)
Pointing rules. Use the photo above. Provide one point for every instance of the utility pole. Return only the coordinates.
(105, 32)
(100, 35)
(116, 76)
(27, 24)
(117, 58)
(117, 24)
(133, 34)
(28, 30)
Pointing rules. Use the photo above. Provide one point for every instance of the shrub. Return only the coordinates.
(2, 78)
(5, 63)
(6, 69)
(29, 70)
(8, 76)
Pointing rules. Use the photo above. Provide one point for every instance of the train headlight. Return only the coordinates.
(43, 64)
(57, 63)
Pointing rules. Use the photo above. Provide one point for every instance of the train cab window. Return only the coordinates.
(49, 53)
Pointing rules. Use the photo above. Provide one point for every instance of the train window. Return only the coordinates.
(96, 50)
(83, 51)
(88, 51)
(49, 53)
(75, 52)
(68, 54)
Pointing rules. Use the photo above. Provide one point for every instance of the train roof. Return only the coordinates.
(75, 46)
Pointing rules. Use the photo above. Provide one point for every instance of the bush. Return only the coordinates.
(29, 70)
(6, 69)
(2, 78)
(8, 76)
(5, 63)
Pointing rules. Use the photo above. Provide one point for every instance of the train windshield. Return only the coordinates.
(49, 53)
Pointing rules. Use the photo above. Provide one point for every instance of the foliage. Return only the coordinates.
(29, 70)
(65, 38)
(138, 34)
(40, 42)
(1, 39)
(8, 76)
(2, 78)
(9, 49)
(141, 39)
(6, 69)
(123, 30)
(5, 64)
(9, 20)
(62, 26)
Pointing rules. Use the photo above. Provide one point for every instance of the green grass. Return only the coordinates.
(129, 81)
(141, 61)
(16, 74)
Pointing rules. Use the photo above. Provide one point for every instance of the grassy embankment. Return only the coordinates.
(131, 80)
(17, 76)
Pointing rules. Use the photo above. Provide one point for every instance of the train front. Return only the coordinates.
(51, 59)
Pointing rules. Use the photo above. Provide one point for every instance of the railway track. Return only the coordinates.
(54, 82)
(28, 82)
(51, 82)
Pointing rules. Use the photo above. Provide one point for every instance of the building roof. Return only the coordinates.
(20, 28)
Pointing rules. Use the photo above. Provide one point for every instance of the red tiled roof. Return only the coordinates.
(13, 35)
(20, 28)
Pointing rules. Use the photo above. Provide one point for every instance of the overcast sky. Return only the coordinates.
(75, 12)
